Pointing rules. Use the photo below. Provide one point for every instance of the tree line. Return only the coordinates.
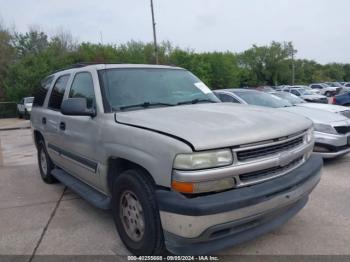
(26, 58)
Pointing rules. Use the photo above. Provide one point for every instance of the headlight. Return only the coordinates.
(309, 137)
(202, 160)
(323, 128)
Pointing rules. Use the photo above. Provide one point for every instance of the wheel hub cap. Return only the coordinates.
(131, 215)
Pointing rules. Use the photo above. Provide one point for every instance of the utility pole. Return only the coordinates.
(293, 68)
(154, 34)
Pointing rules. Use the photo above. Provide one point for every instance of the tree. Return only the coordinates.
(31, 42)
(268, 64)
(7, 53)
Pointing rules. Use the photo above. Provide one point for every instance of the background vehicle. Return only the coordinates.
(300, 102)
(178, 168)
(343, 88)
(332, 131)
(325, 89)
(341, 99)
(24, 107)
(307, 95)
(308, 88)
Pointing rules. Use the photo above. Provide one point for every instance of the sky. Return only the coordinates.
(319, 29)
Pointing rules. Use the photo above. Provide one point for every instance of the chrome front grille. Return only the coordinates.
(269, 172)
(264, 151)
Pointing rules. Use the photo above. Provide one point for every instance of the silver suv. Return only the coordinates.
(180, 170)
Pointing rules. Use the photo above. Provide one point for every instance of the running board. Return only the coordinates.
(85, 191)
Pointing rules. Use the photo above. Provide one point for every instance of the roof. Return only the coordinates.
(100, 66)
(232, 90)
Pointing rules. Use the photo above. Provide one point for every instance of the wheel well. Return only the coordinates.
(116, 166)
(38, 137)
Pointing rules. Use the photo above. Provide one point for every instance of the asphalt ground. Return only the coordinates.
(38, 219)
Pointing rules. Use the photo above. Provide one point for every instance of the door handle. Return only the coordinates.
(63, 126)
(43, 120)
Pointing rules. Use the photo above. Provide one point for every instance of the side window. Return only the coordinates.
(227, 98)
(83, 86)
(58, 92)
(41, 93)
(295, 92)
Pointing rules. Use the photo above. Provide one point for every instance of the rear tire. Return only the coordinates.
(136, 214)
(45, 164)
(327, 94)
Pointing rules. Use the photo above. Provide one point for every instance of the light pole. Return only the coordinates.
(154, 34)
(293, 68)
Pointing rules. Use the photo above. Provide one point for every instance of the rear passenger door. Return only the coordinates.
(52, 119)
(79, 138)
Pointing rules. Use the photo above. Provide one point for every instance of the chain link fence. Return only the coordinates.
(8, 109)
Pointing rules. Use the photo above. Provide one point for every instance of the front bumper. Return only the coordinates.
(207, 223)
(330, 146)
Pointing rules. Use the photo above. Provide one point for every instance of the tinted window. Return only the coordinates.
(58, 92)
(262, 99)
(40, 95)
(295, 92)
(83, 86)
(227, 98)
(316, 86)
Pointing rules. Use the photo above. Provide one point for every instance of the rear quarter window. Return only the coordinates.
(40, 95)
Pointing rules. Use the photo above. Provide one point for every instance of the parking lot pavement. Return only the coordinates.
(13, 123)
(49, 219)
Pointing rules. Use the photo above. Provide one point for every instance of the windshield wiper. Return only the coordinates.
(145, 105)
(195, 101)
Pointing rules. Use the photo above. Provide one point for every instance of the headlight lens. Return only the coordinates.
(309, 137)
(202, 160)
(323, 128)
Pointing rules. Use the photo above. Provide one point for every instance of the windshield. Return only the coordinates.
(28, 100)
(304, 91)
(336, 84)
(293, 99)
(127, 87)
(262, 99)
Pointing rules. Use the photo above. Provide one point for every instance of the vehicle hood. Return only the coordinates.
(326, 107)
(313, 97)
(217, 125)
(316, 115)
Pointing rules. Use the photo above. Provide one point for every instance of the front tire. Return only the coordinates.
(45, 164)
(19, 114)
(327, 94)
(136, 214)
(26, 115)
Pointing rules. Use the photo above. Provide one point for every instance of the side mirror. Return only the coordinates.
(76, 107)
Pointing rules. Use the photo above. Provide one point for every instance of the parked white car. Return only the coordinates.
(332, 131)
(345, 111)
(306, 94)
(24, 108)
(325, 89)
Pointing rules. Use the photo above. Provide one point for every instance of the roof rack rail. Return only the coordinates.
(77, 65)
